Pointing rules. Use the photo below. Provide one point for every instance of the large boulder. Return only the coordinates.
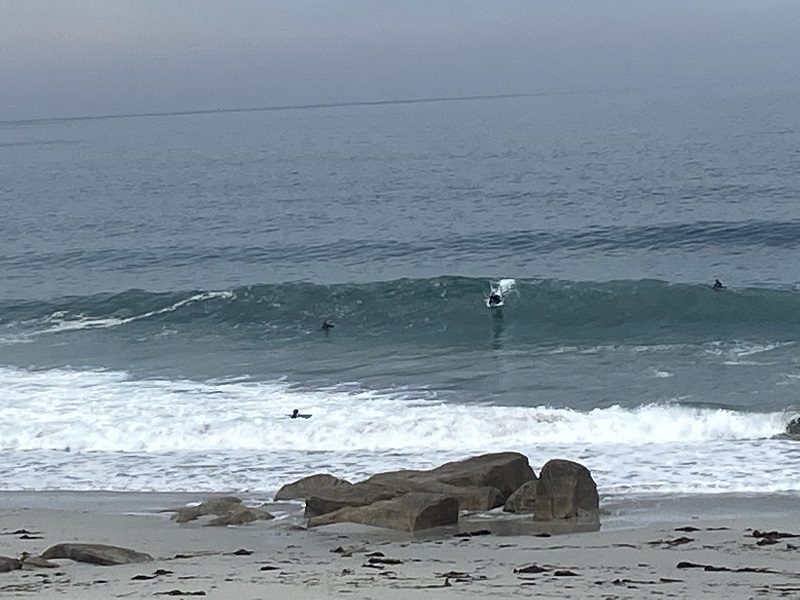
(524, 499)
(98, 554)
(315, 485)
(410, 512)
(406, 482)
(359, 494)
(565, 489)
(504, 471)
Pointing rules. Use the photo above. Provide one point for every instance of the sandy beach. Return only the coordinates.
(686, 548)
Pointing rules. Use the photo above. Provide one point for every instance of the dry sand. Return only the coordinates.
(284, 561)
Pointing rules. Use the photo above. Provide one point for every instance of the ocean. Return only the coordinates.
(163, 280)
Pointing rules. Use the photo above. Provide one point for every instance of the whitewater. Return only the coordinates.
(101, 423)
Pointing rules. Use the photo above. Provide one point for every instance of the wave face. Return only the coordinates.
(117, 432)
(441, 308)
(564, 344)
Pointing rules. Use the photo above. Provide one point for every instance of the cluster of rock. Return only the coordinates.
(227, 510)
(411, 500)
(98, 554)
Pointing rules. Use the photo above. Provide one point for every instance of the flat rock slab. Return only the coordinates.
(98, 554)
(411, 512)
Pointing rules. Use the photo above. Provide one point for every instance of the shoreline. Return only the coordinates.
(626, 558)
(617, 512)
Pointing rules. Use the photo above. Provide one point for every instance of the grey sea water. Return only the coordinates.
(163, 280)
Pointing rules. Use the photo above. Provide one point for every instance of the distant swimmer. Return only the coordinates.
(296, 415)
(327, 326)
(718, 285)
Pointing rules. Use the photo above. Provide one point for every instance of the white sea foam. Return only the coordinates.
(124, 433)
(61, 321)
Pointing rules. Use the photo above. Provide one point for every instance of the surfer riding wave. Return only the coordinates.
(498, 291)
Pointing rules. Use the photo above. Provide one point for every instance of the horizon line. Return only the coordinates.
(309, 106)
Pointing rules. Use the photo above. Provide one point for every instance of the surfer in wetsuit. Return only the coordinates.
(718, 285)
(494, 299)
(327, 326)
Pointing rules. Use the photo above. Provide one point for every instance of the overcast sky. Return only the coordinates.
(89, 57)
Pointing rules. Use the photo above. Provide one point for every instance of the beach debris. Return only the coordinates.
(98, 554)
(388, 574)
(713, 568)
(195, 554)
(672, 543)
(534, 568)
(24, 534)
(431, 586)
(461, 576)
(660, 581)
(156, 573)
(380, 560)
(9, 564)
(767, 541)
(469, 534)
(775, 535)
(349, 551)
